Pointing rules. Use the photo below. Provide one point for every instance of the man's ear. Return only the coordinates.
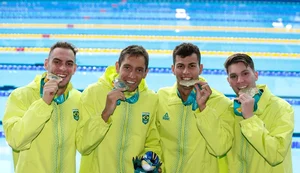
(200, 69)
(117, 67)
(75, 68)
(256, 75)
(146, 72)
(46, 63)
(173, 69)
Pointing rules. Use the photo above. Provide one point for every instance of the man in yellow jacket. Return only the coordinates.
(193, 120)
(264, 123)
(118, 116)
(40, 118)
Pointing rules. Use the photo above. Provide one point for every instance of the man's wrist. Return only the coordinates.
(202, 107)
(105, 115)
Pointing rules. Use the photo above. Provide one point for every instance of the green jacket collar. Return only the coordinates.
(264, 99)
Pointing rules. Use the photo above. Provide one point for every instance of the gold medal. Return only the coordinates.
(249, 91)
(51, 76)
(188, 83)
(118, 83)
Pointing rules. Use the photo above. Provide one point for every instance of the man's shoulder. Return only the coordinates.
(93, 87)
(272, 98)
(23, 90)
(149, 95)
(217, 94)
(164, 90)
(276, 101)
(23, 95)
(76, 92)
(149, 92)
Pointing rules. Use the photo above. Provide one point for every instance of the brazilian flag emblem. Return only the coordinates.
(76, 114)
(145, 117)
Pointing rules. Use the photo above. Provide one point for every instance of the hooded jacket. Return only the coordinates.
(263, 142)
(41, 135)
(108, 147)
(192, 140)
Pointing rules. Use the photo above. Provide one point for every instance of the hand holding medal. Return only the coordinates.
(114, 98)
(246, 103)
(202, 90)
(50, 88)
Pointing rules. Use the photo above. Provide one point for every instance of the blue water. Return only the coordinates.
(280, 73)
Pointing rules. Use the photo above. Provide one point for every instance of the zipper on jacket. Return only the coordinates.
(123, 138)
(58, 136)
(181, 139)
(55, 137)
(61, 139)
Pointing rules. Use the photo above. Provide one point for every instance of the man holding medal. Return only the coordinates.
(193, 120)
(40, 118)
(264, 123)
(118, 116)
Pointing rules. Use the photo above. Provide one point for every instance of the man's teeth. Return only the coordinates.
(243, 87)
(186, 78)
(188, 82)
(62, 76)
(130, 82)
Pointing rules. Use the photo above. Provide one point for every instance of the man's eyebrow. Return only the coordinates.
(246, 70)
(56, 59)
(70, 61)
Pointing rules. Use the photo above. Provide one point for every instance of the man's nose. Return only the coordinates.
(240, 80)
(185, 70)
(62, 67)
(132, 74)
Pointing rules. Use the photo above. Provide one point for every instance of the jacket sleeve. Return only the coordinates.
(22, 124)
(215, 123)
(273, 143)
(91, 128)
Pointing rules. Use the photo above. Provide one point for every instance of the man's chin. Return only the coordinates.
(236, 92)
(187, 87)
(131, 89)
(62, 85)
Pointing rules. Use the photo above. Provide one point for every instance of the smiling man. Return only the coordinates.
(40, 118)
(193, 120)
(264, 123)
(118, 116)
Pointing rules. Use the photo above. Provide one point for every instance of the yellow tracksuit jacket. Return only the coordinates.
(41, 135)
(191, 140)
(263, 142)
(130, 131)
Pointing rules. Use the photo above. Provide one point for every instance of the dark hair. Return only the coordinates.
(134, 50)
(239, 57)
(64, 45)
(186, 49)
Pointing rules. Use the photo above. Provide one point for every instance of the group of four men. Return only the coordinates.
(190, 126)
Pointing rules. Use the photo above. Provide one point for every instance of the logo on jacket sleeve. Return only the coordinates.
(76, 114)
(166, 117)
(145, 117)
